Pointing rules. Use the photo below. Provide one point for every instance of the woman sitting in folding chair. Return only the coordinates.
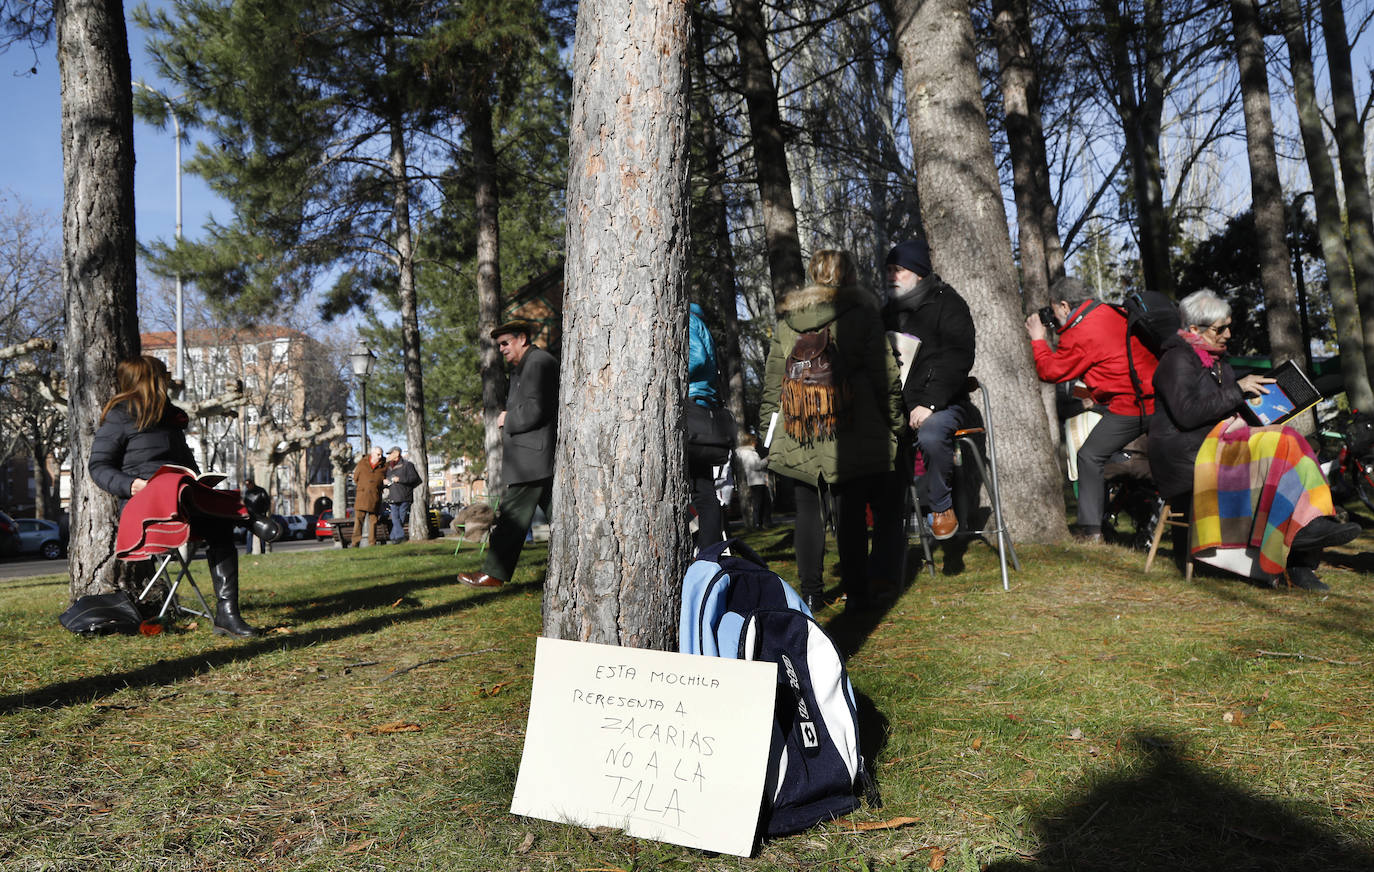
(1260, 505)
(140, 433)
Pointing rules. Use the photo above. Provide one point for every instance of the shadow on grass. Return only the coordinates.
(164, 672)
(314, 608)
(1169, 813)
(1362, 562)
(51, 581)
(1338, 614)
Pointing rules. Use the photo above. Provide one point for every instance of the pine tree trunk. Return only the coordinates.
(1141, 123)
(410, 332)
(99, 282)
(1350, 151)
(487, 203)
(714, 223)
(619, 540)
(966, 226)
(769, 145)
(1326, 203)
(1037, 216)
(1266, 191)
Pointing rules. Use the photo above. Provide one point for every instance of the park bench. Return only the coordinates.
(343, 532)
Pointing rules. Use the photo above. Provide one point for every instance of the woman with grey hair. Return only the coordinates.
(1195, 390)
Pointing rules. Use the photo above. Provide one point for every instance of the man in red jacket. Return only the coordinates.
(1092, 347)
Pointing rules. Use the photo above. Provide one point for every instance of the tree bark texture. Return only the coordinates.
(769, 145)
(99, 281)
(1142, 112)
(410, 330)
(619, 540)
(1037, 216)
(1350, 152)
(1266, 191)
(712, 242)
(1326, 203)
(487, 202)
(966, 227)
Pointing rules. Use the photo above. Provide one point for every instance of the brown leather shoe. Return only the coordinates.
(479, 579)
(944, 525)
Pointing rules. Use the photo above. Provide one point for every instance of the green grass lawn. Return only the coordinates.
(1092, 718)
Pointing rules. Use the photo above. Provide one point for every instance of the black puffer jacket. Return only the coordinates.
(402, 490)
(1189, 401)
(939, 317)
(121, 452)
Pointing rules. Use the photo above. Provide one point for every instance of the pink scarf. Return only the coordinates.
(1206, 351)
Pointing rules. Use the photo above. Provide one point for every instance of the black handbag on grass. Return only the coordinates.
(102, 613)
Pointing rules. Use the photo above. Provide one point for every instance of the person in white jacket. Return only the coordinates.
(756, 478)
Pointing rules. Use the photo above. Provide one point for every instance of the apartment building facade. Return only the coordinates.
(287, 377)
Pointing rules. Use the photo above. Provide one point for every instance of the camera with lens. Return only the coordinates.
(1046, 314)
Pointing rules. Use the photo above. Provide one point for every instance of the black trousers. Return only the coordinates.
(763, 505)
(1109, 436)
(849, 500)
(513, 521)
(710, 517)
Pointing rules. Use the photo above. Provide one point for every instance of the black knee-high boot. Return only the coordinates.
(224, 572)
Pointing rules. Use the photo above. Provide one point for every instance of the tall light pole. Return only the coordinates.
(361, 360)
(180, 372)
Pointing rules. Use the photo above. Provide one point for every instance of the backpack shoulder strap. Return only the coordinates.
(1080, 316)
(737, 548)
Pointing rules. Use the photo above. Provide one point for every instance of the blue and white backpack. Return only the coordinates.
(734, 606)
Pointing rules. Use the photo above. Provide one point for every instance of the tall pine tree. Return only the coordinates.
(322, 124)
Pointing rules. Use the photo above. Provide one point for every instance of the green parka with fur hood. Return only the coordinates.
(866, 440)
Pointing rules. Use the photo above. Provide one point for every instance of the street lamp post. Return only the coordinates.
(361, 360)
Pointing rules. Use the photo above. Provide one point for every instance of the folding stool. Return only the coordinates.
(966, 444)
(182, 557)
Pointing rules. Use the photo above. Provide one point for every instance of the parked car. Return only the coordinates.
(9, 536)
(299, 526)
(41, 537)
(324, 524)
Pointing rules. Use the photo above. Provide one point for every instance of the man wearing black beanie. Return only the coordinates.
(923, 306)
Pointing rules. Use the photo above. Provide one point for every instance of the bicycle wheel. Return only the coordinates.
(1364, 484)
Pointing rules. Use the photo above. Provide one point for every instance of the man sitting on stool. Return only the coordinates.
(528, 436)
(935, 391)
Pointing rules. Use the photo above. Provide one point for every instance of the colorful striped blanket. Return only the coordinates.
(1254, 488)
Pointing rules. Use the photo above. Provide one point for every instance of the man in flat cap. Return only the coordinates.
(935, 391)
(528, 433)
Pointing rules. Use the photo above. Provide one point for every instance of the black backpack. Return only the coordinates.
(815, 393)
(1151, 317)
(734, 606)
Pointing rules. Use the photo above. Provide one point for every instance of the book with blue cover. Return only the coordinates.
(1291, 394)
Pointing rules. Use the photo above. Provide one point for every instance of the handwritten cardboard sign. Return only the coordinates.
(670, 747)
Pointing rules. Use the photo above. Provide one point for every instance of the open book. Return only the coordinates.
(1292, 393)
(209, 479)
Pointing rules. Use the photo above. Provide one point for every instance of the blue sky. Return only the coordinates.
(31, 149)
